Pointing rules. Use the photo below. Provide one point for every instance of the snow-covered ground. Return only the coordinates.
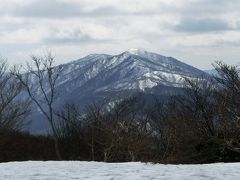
(93, 170)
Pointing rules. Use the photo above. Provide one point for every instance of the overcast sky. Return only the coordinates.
(197, 32)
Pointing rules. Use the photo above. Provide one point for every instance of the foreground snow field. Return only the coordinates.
(50, 170)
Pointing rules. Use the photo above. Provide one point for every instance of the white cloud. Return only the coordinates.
(192, 30)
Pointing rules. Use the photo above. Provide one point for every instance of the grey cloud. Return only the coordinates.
(85, 39)
(222, 43)
(50, 8)
(58, 9)
(11, 27)
(209, 7)
(64, 9)
(201, 25)
(75, 37)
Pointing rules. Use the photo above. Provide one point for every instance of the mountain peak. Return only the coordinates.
(136, 51)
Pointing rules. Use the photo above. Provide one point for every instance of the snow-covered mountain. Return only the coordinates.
(101, 77)
(132, 70)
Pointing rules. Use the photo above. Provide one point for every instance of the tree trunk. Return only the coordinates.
(57, 151)
(105, 156)
(132, 156)
(92, 152)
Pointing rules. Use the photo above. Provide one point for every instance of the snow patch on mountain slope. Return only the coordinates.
(143, 84)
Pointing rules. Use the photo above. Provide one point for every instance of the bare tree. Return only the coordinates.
(40, 83)
(71, 131)
(200, 101)
(228, 97)
(228, 79)
(95, 125)
(12, 109)
(160, 123)
(118, 134)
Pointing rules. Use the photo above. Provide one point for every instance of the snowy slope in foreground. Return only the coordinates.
(93, 170)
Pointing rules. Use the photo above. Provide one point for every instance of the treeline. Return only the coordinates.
(199, 125)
